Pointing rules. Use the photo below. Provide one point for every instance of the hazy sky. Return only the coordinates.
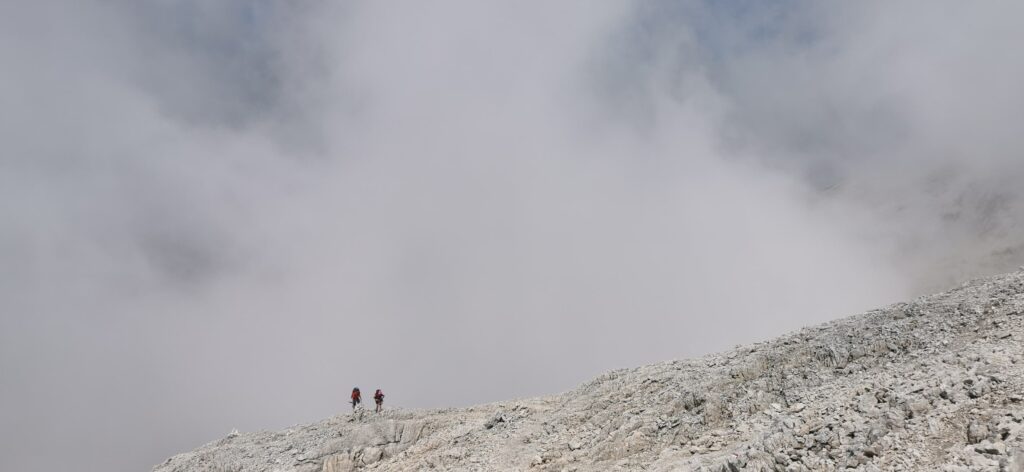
(219, 215)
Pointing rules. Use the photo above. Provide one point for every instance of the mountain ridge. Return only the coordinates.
(931, 384)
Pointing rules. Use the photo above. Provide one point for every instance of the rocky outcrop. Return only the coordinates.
(934, 384)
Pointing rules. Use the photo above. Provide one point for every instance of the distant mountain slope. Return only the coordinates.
(934, 384)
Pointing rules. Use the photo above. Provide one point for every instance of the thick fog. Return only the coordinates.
(219, 215)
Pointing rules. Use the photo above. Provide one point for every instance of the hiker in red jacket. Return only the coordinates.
(357, 397)
(379, 399)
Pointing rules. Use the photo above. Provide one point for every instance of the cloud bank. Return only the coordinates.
(226, 215)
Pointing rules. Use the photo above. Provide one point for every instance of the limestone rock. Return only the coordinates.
(933, 384)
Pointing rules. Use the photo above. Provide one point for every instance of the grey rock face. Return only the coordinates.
(936, 384)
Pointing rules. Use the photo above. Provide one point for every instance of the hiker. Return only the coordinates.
(357, 397)
(379, 399)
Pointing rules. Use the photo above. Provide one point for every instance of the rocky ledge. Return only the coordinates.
(936, 384)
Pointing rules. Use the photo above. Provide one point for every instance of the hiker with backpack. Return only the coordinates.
(357, 397)
(378, 398)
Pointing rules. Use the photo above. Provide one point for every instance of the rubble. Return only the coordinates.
(934, 384)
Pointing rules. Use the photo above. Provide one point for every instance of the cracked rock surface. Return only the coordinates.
(936, 384)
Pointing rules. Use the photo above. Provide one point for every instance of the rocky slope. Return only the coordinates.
(934, 384)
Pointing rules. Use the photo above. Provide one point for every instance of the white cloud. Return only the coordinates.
(226, 215)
